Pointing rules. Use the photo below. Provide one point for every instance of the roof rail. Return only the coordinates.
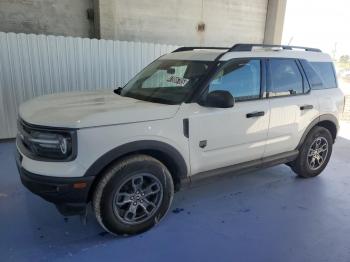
(190, 48)
(249, 47)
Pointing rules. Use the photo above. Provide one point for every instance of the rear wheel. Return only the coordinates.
(314, 153)
(133, 195)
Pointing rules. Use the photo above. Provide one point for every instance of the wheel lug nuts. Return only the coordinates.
(141, 201)
(142, 194)
(134, 203)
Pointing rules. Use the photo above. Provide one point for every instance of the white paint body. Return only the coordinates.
(105, 121)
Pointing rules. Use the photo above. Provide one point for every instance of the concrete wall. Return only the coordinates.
(222, 22)
(276, 10)
(175, 21)
(53, 17)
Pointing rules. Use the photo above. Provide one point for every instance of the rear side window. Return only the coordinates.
(312, 75)
(285, 78)
(325, 71)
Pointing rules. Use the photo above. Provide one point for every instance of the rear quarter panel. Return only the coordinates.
(331, 101)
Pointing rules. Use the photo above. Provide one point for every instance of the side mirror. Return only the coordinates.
(118, 90)
(219, 99)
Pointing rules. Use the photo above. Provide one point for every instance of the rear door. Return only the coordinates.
(292, 104)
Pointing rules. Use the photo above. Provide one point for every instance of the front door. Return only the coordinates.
(222, 137)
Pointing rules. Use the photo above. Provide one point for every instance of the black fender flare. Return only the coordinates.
(133, 147)
(321, 118)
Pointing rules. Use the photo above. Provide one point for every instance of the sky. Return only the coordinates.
(323, 24)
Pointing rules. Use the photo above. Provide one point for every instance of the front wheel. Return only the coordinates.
(133, 195)
(314, 153)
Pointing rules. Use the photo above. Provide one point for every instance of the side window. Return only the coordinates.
(326, 71)
(285, 78)
(241, 78)
(311, 74)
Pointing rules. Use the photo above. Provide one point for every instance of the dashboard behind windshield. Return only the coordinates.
(167, 81)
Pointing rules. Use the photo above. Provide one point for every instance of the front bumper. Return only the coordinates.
(70, 195)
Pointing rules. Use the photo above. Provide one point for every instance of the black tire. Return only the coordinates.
(305, 165)
(123, 175)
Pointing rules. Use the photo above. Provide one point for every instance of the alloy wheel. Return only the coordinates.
(138, 198)
(317, 153)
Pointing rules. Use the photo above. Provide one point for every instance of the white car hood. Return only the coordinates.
(88, 109)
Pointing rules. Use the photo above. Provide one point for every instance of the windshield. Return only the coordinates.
(166, 81)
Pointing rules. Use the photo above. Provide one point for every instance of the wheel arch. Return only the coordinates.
(161, 151)
(327, 121)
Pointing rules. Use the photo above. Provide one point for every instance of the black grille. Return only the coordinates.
(24, 133)
(19, 156)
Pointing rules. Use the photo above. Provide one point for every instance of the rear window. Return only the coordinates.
(320, 74)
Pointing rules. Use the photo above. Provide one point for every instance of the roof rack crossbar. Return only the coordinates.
(190, 48)
(249, 47)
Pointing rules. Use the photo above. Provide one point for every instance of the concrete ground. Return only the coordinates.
(268, 215)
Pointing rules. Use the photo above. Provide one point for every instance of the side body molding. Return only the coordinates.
(141, 146)
(326, 117)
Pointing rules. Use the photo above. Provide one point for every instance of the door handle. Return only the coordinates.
(203, 143)
(306, 107)
(255, 114)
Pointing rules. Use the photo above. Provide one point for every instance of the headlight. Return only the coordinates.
(47, 143)
(51, 145)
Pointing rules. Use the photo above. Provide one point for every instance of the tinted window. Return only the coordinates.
(313, 77)
(241, 78)
(326, 72)
(285, 78)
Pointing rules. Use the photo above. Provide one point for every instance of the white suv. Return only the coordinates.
(191, 113)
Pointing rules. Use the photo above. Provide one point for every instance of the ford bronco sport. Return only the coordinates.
(191, 113)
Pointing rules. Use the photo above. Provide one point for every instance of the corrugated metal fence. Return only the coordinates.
(34, 65)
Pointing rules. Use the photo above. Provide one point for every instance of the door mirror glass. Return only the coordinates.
(219, 99)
